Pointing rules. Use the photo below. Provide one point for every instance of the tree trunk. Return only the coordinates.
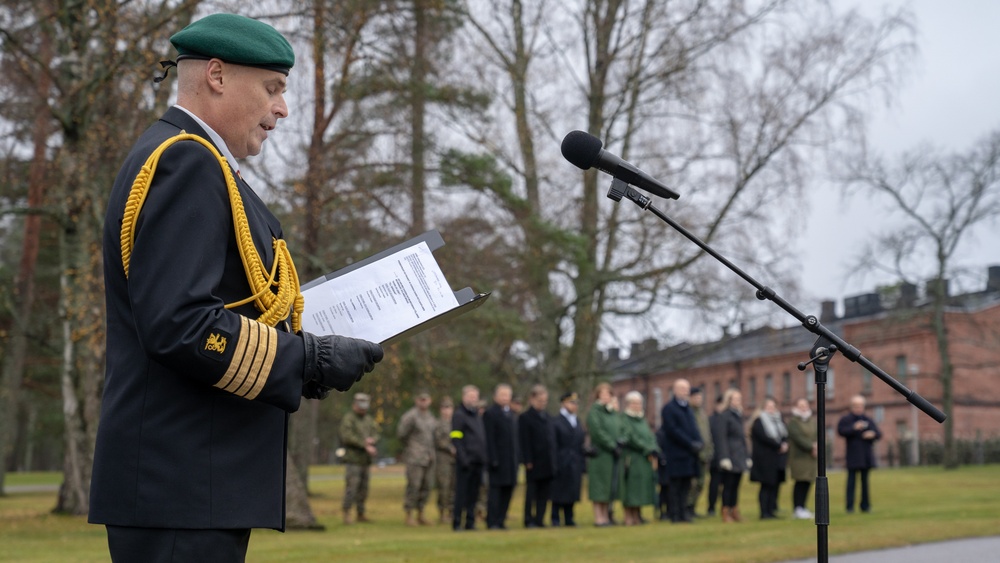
(24, 284)
(298, 513)
(418, 111)
(950, 458)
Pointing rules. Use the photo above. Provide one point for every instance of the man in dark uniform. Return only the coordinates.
(203, 368)
(571, 460)
(537, 442)
(501, 453)
(469, 439)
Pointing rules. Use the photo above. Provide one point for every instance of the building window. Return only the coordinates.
(786, 387)
(718, 391)
(810, 386)
(732, 384)
(901, 368)
(768, 386)
(878, 414)
(829, 383)
(866, 382)
(752, 393)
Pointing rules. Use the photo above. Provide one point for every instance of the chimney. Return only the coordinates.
(828, 311)
(993, 278)
(614, 354)
(907, 295)
(862, 305)
(932, 285)
(636, 350)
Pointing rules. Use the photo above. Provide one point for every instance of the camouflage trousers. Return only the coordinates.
(697, 484)
(445, 470)
(356, 486)
(419, 482)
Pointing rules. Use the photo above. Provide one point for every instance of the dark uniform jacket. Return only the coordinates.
(860, 451)
(537, 436)
(196, 397)
(682, 439)
(501, 446)
(570, 460)
(468, 437)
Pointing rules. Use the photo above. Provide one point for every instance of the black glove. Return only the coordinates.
(697, 446)
(313, 390)
(338, 362)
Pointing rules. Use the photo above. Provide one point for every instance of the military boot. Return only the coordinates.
(421, 520)
(348, 519)
(409, 519)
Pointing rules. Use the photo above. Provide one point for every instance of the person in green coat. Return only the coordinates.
(639, 454)
(802, 456)
(605, 429)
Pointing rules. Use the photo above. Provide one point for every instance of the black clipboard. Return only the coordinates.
(466, 297)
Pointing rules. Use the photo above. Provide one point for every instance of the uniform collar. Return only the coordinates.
(216, 138)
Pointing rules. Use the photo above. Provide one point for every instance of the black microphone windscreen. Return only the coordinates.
(581, 149)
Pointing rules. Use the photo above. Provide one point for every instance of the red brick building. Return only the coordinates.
(894, 332)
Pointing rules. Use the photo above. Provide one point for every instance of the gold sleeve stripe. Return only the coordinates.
(457, 434)
(252, 360)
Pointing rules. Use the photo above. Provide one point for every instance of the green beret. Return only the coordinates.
(235, 39)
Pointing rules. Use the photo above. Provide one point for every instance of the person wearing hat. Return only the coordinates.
(444, 463)
(571, 462)
(696, 403)
(205, 353)
(416, 434)
(359, 432)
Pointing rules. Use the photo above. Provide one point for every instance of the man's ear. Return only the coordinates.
(215, 70)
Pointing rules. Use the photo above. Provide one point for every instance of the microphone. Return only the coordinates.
(585, 151)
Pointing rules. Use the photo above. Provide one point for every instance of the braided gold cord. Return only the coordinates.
(274, 304)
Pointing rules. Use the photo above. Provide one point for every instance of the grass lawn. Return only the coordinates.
(909, 506)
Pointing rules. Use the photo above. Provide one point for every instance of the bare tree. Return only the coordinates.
(729, 101)
(940, 199)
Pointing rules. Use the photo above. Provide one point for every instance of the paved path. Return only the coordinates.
(972, 549)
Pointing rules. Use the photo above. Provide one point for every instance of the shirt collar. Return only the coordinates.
(216, 138)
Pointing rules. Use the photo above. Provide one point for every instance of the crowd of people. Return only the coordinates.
(473, 454)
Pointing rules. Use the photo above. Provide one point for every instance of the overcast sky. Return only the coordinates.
(951, 99)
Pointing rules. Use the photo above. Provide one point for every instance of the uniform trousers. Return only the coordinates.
(678, 497)
(419, 480)
(167, 545)
(356, 486)
(444, 469)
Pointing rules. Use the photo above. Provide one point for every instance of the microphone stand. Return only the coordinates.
(822, 351)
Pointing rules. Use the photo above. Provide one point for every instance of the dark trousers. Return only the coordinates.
(664, 501)
(497, 504)
(799, 493)
(730, 488)
(157, 545)
(768, 498)
(714, 486)
(536, 498)
(865, 500)
(566, 511)
(677, 498)
(467, 481)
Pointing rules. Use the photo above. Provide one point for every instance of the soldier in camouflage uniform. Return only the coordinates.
(697, 401)
(416, 433)
(358, 435)
(444, 464)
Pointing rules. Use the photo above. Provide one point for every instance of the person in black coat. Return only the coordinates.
(501, 453)
(860, 432)
(468, 435)
(769, 438)
(570, 460)
(683, 442)
(537, 443)
(731, 445)
(714, 477)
